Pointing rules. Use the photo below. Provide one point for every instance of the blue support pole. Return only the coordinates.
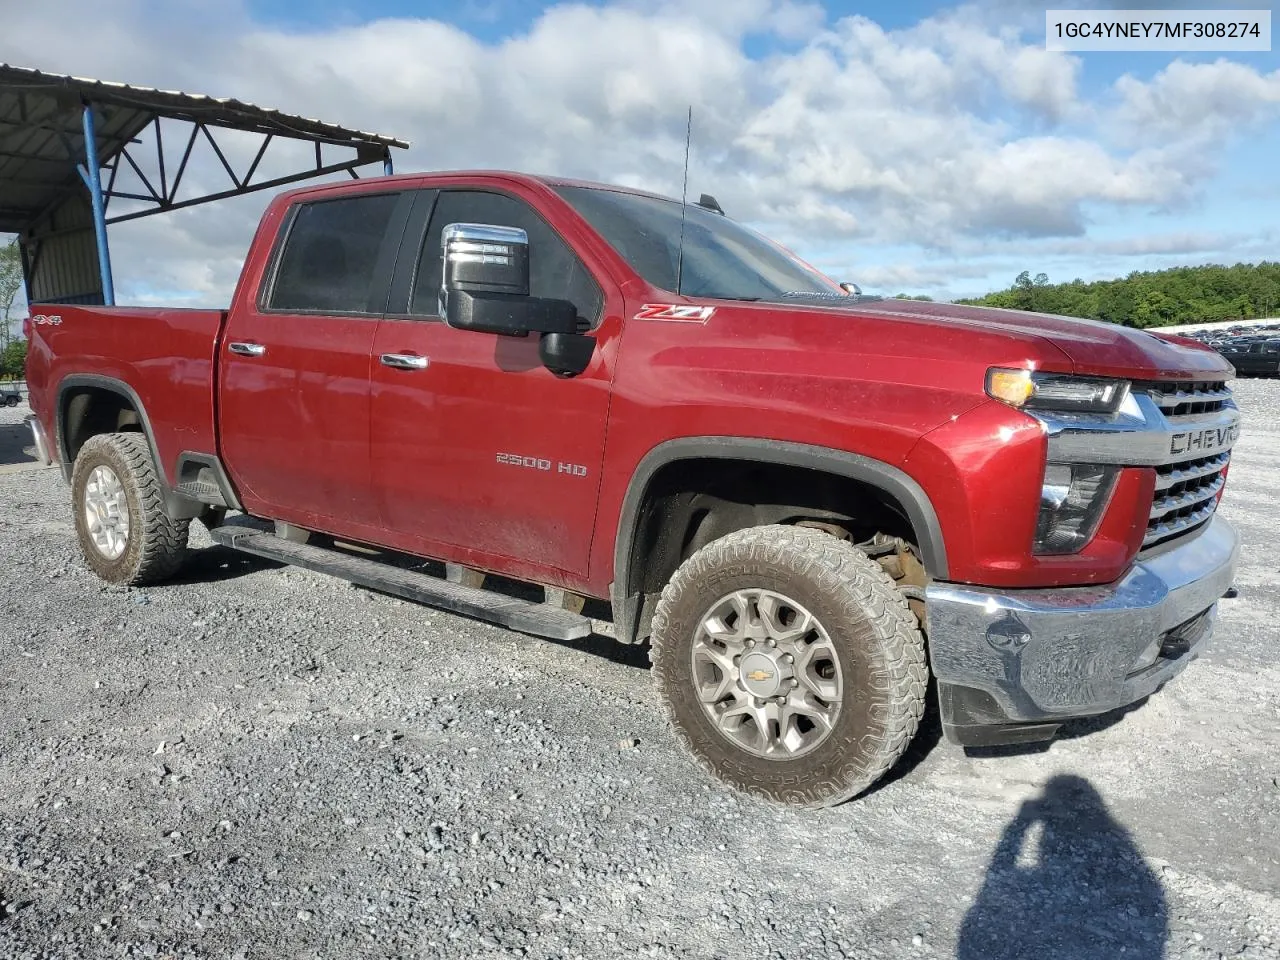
(387, 168)
(91, 174)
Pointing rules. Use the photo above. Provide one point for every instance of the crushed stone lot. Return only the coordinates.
(260, 763)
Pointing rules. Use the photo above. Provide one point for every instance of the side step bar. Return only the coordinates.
(538, 619)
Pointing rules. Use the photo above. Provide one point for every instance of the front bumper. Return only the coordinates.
(1012, 665)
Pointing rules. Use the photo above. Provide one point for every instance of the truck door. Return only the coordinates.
(479, 453)
(294, 370)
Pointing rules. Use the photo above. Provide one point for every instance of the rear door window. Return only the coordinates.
(331, 256)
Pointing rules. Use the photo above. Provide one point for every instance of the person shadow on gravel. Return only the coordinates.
(1082, 892)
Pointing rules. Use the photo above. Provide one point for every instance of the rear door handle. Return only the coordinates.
(247, 349)
(404, 361)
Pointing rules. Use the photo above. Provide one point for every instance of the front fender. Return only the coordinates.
(892, 481)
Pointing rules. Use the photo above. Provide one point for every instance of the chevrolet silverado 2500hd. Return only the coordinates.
(807, 500)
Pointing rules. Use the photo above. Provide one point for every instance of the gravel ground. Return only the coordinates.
(258, 762)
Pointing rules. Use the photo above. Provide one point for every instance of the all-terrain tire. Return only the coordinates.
(878, 641)
(156, 544)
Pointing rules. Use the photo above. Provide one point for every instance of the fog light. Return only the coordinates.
(1072, 500)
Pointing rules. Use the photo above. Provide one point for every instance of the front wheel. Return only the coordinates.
(124, 532)
(789, 665)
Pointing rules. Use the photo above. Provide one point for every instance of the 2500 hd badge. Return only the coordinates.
(541, 463)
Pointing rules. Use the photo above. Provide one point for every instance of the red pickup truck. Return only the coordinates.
(809, 501)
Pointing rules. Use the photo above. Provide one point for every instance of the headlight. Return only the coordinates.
(1071, 503)
(1054, 391)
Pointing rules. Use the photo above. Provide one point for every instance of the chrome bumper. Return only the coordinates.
(1039, 657)
(42, 443)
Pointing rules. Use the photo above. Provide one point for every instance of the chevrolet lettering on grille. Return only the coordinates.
(1203, 441)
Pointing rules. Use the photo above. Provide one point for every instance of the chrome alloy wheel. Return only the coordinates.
(106, 511)
(767, 674)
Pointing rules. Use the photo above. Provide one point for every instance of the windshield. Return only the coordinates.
(722, 259)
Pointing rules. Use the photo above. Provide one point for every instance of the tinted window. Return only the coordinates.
(721, 259)
(328, 260)
(554, 269)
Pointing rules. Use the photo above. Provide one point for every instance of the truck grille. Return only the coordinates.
(1186, 496)
(1187, 399)
(1186, 493)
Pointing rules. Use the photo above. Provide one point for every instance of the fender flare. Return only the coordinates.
(875, 473)
(178, 505)
(111, 385)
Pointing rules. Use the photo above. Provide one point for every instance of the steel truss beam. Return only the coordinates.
(161, 186)
(162, 190)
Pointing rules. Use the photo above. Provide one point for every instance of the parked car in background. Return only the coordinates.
(1256, 357)
(10, 395)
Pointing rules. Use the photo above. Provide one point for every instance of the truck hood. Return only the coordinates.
(1093, 347)
(1088, 347)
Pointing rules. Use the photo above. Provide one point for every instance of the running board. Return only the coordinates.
(538, 619)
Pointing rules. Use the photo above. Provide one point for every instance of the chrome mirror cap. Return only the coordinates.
(483, 257)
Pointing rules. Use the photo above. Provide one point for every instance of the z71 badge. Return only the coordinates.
(675, 312)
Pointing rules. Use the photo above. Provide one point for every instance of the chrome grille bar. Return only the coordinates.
(1167, 479)
(1173, 528)
(1164, 505)
(1165, 400)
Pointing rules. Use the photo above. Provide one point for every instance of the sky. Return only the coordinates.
(918, 147)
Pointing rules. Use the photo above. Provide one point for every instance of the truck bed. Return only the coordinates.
(163, 356)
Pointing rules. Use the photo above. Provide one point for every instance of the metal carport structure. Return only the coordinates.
(65, 141)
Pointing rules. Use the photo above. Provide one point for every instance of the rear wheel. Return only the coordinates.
(789, 665)
(124, 532)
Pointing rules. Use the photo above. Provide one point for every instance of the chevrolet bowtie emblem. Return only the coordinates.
(759, 676)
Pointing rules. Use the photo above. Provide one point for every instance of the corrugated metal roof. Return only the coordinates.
(41, 139)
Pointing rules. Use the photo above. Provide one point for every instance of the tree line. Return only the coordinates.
(13, 349)
(1152, 298)
(13, 360)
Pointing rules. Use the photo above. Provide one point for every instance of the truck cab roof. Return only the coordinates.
(441, 177)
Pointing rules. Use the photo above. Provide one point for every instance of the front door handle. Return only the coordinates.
(247, 349)
(404, 361)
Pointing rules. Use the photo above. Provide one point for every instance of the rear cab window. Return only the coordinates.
(336, 255)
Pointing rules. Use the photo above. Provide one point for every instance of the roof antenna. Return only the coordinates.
(684, 201)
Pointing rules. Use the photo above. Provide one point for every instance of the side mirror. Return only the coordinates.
(851, 288)
(485, 286)
(566, 354)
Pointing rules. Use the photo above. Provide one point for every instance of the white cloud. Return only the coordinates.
(1192, 103)
(956, 130)
(787, 19)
